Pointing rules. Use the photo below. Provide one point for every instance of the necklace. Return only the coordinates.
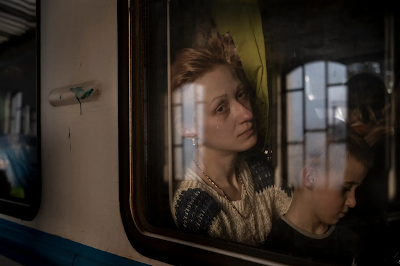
(244, 216)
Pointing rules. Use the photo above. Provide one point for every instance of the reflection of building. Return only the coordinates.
(316, 101)
(18, 80)
(317, 106)
(16, 18)
(15, 118)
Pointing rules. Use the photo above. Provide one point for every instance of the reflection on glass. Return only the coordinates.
(219, 192)
(364, 67)
(337, 73)
(294, 123)
(295, 163)
(316, 150)
(18, 108)
(337, 104)
(294, 80)
(315, 86)
(337, 158)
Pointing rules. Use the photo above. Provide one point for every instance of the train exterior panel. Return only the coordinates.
(80, 200)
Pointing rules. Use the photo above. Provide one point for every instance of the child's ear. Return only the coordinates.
(310, 175)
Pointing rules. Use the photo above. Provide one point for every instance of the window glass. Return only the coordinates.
(294, 112)
(337, 104)
(294, 80)
(19, 111)
(325, 83)
(295, 162)
(337, 73)
(315, 89)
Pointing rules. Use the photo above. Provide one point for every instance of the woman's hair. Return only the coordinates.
(191, 64)
(367, 95)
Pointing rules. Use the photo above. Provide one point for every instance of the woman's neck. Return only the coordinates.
(219, 166)
(302, 216)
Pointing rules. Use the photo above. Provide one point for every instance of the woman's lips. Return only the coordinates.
(248, 132)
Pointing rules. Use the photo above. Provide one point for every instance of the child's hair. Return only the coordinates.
(355, 147)
(332, 155)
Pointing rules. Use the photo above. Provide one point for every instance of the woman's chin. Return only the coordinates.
(249, 143)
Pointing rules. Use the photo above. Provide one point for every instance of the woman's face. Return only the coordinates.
(223, 115)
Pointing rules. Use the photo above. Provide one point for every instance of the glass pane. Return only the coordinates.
(295, 164)
(298, 45)
(337, 157)
(294, 112)
(315, 150)
(337, 73)
(315, 95)
(337, 111)
(177, 138)
(337, 104)
(19, 162)
(374, 68)
(294, 80)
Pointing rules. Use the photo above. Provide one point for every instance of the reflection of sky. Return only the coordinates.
(315, 95)
(190, 99)
(315, 86)
(337, 103)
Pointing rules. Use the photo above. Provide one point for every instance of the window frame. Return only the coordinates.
(13, 207)
(171, 246)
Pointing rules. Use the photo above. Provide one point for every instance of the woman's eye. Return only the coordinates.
(221, 109)
(346, 189)
(242, 94)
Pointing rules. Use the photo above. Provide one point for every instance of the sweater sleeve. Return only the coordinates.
(196, 211)
(277, 197)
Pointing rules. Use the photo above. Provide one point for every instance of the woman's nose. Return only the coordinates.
(244, 113)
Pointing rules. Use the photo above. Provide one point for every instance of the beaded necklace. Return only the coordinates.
(247, 214)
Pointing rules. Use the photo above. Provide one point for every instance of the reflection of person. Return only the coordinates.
(222, 195)
(368, 110)
(366, 102)
(323, 195)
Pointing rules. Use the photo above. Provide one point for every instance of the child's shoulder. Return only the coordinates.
(281, 236)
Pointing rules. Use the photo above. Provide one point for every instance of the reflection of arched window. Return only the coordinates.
(316, 100)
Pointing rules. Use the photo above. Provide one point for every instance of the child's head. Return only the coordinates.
(332, 172)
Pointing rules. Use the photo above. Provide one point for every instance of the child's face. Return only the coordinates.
(335, 194)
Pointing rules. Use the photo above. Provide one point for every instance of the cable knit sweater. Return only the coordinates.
(200, 209)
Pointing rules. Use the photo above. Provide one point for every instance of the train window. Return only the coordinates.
(20, 175)
(251, 131)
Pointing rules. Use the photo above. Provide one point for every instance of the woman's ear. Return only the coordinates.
(310, 175)
(187, 132)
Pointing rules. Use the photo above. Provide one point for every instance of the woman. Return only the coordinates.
(221, 195)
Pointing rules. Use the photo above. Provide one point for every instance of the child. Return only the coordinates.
(323, 194)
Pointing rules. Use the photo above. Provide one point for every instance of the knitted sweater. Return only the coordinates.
(200, 209)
